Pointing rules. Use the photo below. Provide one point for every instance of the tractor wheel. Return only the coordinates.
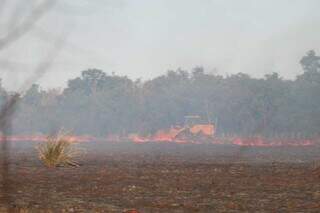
(185, 135)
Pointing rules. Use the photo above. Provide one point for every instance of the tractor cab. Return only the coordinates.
(196, 130)
(192, 120)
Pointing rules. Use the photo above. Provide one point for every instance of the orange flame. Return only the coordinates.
(169, 137)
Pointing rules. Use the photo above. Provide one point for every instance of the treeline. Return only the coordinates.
(100, 104)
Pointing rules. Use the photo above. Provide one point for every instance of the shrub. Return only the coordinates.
(58, 150)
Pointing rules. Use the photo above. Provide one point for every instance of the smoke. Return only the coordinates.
(19, 25)
(146, 39)
(280, 52)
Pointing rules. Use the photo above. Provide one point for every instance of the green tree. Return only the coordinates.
(310, 62)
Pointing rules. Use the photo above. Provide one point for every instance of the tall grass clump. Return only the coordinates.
(58, 150)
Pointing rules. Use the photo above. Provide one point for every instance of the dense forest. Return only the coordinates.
(98, 104)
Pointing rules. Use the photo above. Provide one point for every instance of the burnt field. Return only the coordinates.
(167, 178)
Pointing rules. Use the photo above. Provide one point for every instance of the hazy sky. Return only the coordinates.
(145, 38)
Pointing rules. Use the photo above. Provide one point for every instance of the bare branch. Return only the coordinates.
(44, 66)
(2, 5)
(27, 25)
(7, 111)
(16, 15)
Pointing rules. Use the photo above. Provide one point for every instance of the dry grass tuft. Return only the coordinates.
(57, 151)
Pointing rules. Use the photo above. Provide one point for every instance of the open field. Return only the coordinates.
(168, 178)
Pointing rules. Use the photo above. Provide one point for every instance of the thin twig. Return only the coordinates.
(8, 109)
(27, 25)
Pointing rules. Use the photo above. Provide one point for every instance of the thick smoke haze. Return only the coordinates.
(144, 39)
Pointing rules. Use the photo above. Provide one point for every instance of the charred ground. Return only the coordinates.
(168, 178)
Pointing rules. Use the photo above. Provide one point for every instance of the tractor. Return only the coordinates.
(195, 130)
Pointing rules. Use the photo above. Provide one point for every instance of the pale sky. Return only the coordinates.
(145, 38)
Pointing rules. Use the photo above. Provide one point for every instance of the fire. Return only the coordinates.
(169, 137)
(160, 136)
(41, 138)
(249, 141)
(259, 141)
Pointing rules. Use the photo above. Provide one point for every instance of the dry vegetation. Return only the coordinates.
(58, 150)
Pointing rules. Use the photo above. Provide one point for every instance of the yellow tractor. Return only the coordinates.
(195, 130)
